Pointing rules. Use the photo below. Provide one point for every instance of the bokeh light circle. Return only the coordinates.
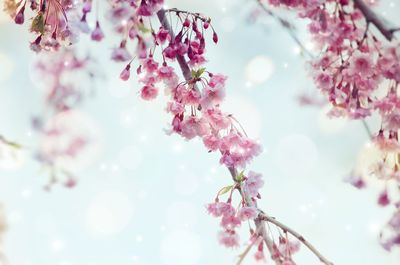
(296, 155)
(259, 69)
(108, 214)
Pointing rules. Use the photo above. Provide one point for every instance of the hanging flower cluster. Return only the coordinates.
(53, 22)
(62, 95)
(232, 217)
(194, 103)
(359, 72)
(390, 236)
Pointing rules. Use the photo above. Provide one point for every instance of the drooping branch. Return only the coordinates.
(188, 76)
(260, 221)
(264, 217)
(260, 225)
(372, 17)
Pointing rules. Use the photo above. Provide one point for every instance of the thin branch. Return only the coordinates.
(196, 15)
(285, 228)
(288, 26)
(372, 17)
(10, 143)
(260, 225)
(367, 129)
(247, 250)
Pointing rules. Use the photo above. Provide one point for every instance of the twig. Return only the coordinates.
(288, 26)
(372, 17)
(10, 143)
(247, 250)
(367, 129)
(285, 228)
(196, 15)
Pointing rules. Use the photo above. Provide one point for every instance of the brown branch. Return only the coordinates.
(196, 15)
(187, 74)
(373, 18)
(367, 129)
(260, 225)
(285, 228)
(261, 220)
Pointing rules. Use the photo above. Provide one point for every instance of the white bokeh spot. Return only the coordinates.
(259, 69)
(108, 214)
(296, 155)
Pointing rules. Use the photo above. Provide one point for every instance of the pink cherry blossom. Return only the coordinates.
(120, 54)
(361, 64)
(217, 119)
(259, 255)
(218, 209)
(175, 107)
(212, 142)
(230, 221)
(163, 36)
(253, 183)
(247, 213)
(149, 92)
(228, 238)
(383, 199)
(287, 262)
(193, 126)
(97, 33)
(125, 74)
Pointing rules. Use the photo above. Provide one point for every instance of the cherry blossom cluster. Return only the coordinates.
(232, 217)
(358, 70)
(390, 236)
(194, 103)
(53, 22)
(62, 95)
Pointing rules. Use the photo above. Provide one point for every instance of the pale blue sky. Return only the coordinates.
(141, 199)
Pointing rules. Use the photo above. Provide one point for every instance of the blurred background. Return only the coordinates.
(141, 193)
